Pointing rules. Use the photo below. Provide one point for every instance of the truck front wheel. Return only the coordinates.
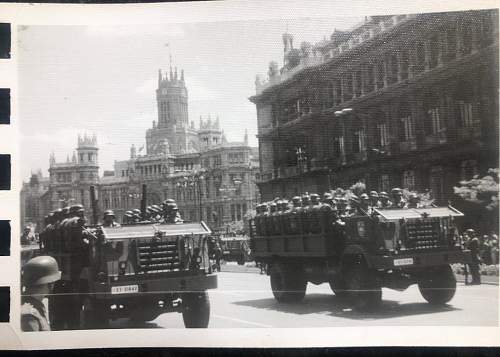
(93, 314)
(196, 310)
(438, 286)
(363, 291)
(287, 283)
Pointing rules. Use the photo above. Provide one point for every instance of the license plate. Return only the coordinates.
(125, 289)
(403, 261)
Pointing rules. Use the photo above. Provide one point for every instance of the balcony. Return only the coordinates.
(409, 145)
(469, 133)
(436, 139)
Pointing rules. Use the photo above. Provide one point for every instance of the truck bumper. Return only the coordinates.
(419, 260)
(163, 286)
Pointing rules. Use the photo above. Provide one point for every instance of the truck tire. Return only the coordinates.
(287, 283)
(196, 310)
(438, 286)
(93, 314)
(363, 291)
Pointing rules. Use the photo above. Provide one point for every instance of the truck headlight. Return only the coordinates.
(122, 266)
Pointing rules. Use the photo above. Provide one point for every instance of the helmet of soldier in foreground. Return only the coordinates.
(383, 194)
(109, 213)
(273, 206)
(327, 196)
(136, 211)
(65, 211)
(364, 196)
(373, 194)
(40, 270)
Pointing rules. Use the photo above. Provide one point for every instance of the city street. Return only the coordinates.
(244, 299)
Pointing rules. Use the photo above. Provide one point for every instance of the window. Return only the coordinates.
(392, 69)
(451, 43)
(420, 63)
(435, 119)
(337, 92)
(370, 78)
(405, 63)
(385, 183)
(329, 96)
(81, 157)
(358, 141)
(464, 111)
(434, 51)
(357, 83)
(347, 87)
(383, 137)
(338, 147)
(407, 128)
(89, 156)
(380, 74)
(469, 169)
(409, 180)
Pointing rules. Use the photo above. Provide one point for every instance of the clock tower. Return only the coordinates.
(172, 125)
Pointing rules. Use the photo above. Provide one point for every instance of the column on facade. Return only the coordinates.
(399, 57)
(354, 83)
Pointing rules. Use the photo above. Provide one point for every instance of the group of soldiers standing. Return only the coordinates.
(167, 212)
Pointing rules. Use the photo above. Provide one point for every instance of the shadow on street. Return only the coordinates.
(333, 306)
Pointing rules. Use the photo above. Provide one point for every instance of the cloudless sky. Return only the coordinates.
(102, 80)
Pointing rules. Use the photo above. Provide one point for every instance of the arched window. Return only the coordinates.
(463, 99)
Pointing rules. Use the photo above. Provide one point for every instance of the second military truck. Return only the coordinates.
(359, 254)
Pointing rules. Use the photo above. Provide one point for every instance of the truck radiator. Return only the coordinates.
(158, 256)
(424, 234)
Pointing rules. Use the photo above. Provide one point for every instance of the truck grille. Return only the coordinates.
(157, 257)
(423, 234)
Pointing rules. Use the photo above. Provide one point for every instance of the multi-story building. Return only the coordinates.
(210, 178)
(405, 100)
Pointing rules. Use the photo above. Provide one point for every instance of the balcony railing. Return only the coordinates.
(408, 145)
(436, 139)
(355, 41)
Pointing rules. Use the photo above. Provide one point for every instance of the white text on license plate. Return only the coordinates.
(403, 261)
(125, 289)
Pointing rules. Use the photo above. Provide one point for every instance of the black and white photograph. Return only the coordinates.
(296, 172)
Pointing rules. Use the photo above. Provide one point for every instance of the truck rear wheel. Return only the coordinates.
(93, 314)
(196, 310)
(338, 286)
(438, 286)
(363, 291)
(287, 283)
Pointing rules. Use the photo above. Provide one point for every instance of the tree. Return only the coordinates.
(481, 191)
(478, 200)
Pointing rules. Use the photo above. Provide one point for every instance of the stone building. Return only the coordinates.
(406, 100)
(210, 178)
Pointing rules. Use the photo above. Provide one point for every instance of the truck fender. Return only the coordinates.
(354, 251)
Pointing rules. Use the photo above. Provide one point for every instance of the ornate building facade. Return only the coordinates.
(210, 178)
(406, 100)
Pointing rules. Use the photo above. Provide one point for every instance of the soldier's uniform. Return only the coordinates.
(109, 219)
(397, 198)
(34, 315)
(473, 246)
(384, 200)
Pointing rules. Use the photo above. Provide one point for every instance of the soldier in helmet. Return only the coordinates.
(38, 277)
(384, 200)
(109, 219)
(364, 204)
(128, 217)
(473, 245)
(136, 215)
(413, 201)
(397, 198)
(171, 212)
(374, 200)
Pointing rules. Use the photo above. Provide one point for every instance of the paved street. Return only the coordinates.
(244, 299)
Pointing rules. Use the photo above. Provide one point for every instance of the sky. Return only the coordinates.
(102, 79)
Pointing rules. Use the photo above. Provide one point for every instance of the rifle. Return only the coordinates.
(93, 204)
(143, 202)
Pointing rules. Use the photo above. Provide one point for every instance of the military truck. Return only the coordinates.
(235, 249)
(137, 271)
(359, 254)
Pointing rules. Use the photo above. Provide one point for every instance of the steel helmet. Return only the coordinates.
(109, 213)
(40, 270)
(136, 211)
